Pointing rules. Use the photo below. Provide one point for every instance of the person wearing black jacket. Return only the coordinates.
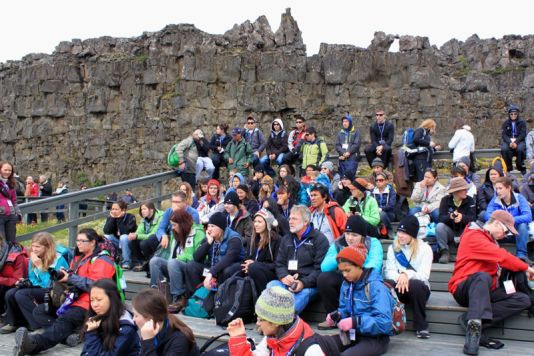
(45, 190)
(381, 133)
(298, 263)
(217, 145)
(422, 141)
(456, 211)
(514, 133)
(217, 258)
(486, 191)
(119, 224)
(204, 161)
(276, 147)
(162, 333)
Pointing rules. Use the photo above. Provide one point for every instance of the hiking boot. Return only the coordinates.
(23, 343)
(472, 337)
(325, 326)
(444, 259)
(8, 329)
(177, 305)
(73, 340)
(143, 267)
(422, 334)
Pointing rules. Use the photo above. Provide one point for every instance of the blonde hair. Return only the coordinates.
(414, 245)
(47, 240)
(188, 192)
(428, 124)
(262, 194)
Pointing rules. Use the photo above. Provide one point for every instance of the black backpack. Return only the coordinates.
(325, 342)
(235, 298)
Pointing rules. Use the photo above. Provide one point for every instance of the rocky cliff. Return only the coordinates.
(107, 109)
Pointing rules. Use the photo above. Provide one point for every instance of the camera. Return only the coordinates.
(25, 283)
(354, 209)
(55, 274)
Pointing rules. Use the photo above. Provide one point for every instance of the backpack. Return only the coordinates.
(194, 306)
(120, 281)
(325, 342)
(113, 253)
(398, 324)
(66, 252)
(407, 137)
(235, 298)
(173, 160)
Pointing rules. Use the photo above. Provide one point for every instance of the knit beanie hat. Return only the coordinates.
(357, 225)
(465, 160)
(214, 182)
(328, 165)
(377, 162)
(356, 256)
(232, 198)
(218, 219)
(360, 184)
(276, 305)
(409, 225)
(268, 217)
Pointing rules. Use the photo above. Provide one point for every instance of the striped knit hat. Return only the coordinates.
(276, 305)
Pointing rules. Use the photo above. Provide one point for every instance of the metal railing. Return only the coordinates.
(73, 199)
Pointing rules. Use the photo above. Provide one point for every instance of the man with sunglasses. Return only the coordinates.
(478, 281)
(255, 138)
(381, 133)
(293, 140)
(514, 133)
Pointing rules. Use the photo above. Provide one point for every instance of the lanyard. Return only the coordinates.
(351, 299)
(257, 254)
(213, 251)
(513, 129)
(286, 212)
(322, 220)
(381, 130)
(303, 240)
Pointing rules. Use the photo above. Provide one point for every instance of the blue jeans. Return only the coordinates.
(266, 163)
(172, 269)
(520, 240)
(302, 298)
(122, 243)
(434, 215)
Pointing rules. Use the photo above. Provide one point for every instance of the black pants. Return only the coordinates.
(218, 162)
(417, 295)
(193, 274)
(3, 291)
(143, 250)
(32, 218)
(20, 304)
(190, 178)
(364, 345)
(370, 154)
(328, 287)
(492, 306)
(8, 227)
(508, 154)
(261, 274)
(59, 328)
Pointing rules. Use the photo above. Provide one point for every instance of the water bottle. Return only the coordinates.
(66, 304)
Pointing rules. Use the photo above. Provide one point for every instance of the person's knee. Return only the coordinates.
(483, 276)
(255, 269)
(522, 300)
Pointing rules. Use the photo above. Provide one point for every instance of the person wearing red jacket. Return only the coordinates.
(475, 280)
(32, 190)
(89, 265)
(331, 225)
(12, 269)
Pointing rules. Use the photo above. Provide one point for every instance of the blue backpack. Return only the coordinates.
(194, 306)
(407, 137)
(66, 252)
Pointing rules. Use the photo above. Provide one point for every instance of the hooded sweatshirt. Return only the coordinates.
(348, 140)
(277, 142)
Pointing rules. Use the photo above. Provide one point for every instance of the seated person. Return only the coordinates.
(486, 191)
(427, 195)
(408, 266)
(330, 280)
(471, 177)
(527, 190)
(14, 269)
(247, 199)
(456, 211)
(144, 242)
(212, 202)
(475, 281)
(326, 215)
(299, 258)
(239, 220)
(119, 224)
(377, 167)
(363, 203)
(386, 197)
(457, 171)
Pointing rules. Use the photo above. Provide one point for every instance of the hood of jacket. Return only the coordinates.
(240, 177)
(498, 168)
(349, 119)
(281, 125)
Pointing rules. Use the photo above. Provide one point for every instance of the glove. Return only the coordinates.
(329, 320)
(345, 324)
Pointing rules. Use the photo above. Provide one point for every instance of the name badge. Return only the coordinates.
(293, 265)
(352, 334)
(205, 272)
(10, 203)
(189, 242)
(512, 139)
(509, 287)
(345, 146)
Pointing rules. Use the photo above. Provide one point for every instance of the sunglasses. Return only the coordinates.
(380, 180)
(299, 122)
(250, 123)
(276, 124)
(379, 114)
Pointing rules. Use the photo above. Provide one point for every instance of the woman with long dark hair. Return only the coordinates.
(162, 333)
(109, 329)
(9, 210)
(247, 198)
(119, 224)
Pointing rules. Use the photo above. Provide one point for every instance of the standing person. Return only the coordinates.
(9, 210)
(386, 198)
(424, 146)
(363, 203)
(45, 190)
(255, 139)
(514, 132)
(427, 195)
(462, 143)
(408, 266)
(61, 189)
(382, 133)
(299, 258)
(218, 144)
(238, 153)
(162, 333)
(515, 204)
(90, 264)
(144, 242)
(128, 197)
(475, 280)
(204, 161)
(326, 215)
(348, 145)
(188, 154)
(276, 147)
(32, 190)
(119, 224)
(456, 211)
(293, 140)
(109, 329)
(313, 150)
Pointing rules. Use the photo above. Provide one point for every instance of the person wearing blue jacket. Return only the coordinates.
(516, 204)
(178, 202)
(103, 335)
(330, 280)
(364, 316)
(386, 197)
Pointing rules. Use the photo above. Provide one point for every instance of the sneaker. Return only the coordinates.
(177, 305)
(126, 267)
(8, 329)
(444, 259)
(23, 343)
(422, 334)
(325, 326)
(472, 337)
(73, 340)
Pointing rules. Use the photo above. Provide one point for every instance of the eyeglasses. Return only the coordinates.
(250, 123)
(381, 180)
(379, 114)
(177, 201)
(505, 229)
(82, 241)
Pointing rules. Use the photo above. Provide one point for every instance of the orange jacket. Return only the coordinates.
(339, 222)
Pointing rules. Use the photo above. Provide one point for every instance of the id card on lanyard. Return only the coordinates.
(293, 264)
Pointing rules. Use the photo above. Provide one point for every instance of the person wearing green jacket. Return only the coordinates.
(363, 203)
(238, 153)
(313, 150)
(143, 242)
(185, 239)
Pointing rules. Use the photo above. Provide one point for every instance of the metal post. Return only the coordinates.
(25, 216)
(73, 230)
(157, 193)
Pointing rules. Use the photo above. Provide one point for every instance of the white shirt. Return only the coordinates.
(422, 263)
(463, 143)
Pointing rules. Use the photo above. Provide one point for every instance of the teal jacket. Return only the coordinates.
(41, 278)
(375, 255)
(147, 228)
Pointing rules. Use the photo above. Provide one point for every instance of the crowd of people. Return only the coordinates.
(300, 229)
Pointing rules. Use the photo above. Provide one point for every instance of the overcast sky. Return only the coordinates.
(38, 26)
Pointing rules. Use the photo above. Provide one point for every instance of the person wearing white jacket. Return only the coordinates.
(463, 141)
(427, 195)
(408, 265)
